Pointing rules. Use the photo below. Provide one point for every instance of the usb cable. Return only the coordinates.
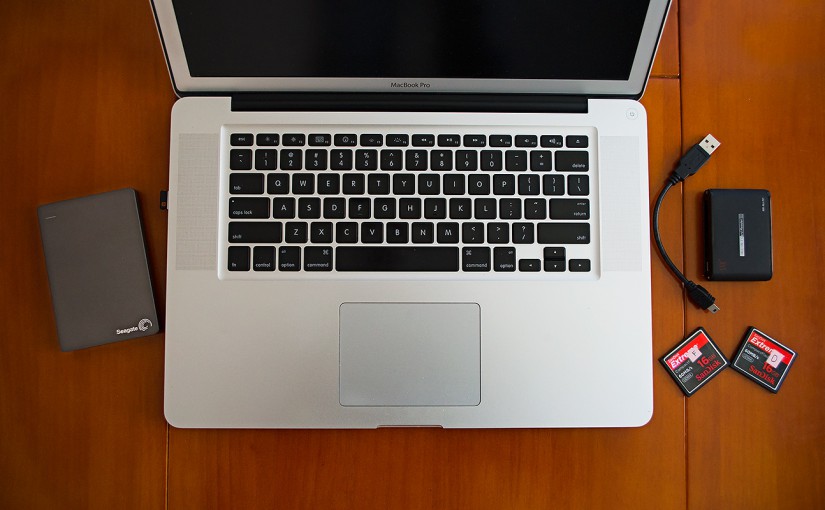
(690, 163)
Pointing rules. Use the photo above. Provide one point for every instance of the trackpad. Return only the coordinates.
(410, 354)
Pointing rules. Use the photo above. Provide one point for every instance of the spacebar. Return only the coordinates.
(396, 258)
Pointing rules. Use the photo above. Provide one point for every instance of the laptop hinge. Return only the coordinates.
(382, 102)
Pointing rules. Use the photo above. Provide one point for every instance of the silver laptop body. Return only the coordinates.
(284, 312)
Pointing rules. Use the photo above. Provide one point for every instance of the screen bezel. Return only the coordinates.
(185, 84)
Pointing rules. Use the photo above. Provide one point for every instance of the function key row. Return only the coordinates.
(403, 140)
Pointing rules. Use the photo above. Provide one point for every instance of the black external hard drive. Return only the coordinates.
(738, 234)
(98, 274)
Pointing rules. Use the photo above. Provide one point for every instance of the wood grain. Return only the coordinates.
(752, 74)
(78, 87)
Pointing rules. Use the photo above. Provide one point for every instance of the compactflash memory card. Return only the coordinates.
(695, 361)
(763, 360)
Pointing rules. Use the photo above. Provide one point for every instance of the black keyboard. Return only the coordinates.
(323, 201)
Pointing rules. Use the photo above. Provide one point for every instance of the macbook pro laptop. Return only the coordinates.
(390, 213)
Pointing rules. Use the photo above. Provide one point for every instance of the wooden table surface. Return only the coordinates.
(84, 108)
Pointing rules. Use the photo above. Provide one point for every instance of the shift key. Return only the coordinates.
(564, 233)
(249, 208)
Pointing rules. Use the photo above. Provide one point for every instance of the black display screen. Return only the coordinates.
(511, 39)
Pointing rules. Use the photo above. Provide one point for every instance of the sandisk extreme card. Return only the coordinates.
(763, 360)
(694, 362)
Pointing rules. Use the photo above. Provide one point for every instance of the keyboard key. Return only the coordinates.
(423, 140)
(266, 159)
(479, 184)
(475, 140)
(578, 185)
(320, 232)
(553, 141)
(366, 159)
(396, 258)
(346, 140)
(398, 140)
(320, 140)
(416, 159)
(527, 141)
(523, 233)
(378, 184)
(289, 258)
(240, 139)
(449, 140)
(475, 258)
(554, 266)
(504, 184)
(435, 208)
(564, 233)
(329, 184)
(485, 208)
(240, 159)
(309, 208)
(385, 209)
(504, 259)
(541, 161)
(346, 232)
(466, 160)
(491, 161)
(454, 184)
(372, 140)
(248, 208)
(340, 159)
(472, 233)
(294, 140)
(529, 265)
(283, 208)
(391, 160)
(501, 141)
(579, 265)
(576, 141)
(423, 233)
(263, 258)
(509, 208)
(516, 161)
(403, 184)
(409, 208)
(295, 232)
(238, 259)
(303, 184)
(291, 159)
(267, 139)
(334, 208)
(254, 232)
(460, 208)
(372, 232)
(359, 208)
(535, 209)
(246, 184)
(318, 258)
(528, 184)
(447, 233)
(572, 161)
(498, 233)
(441, 160)
(353, 184)
(555, 253)
(553, 185)
(316, 159)
(398, 232)
(569, 209)
(429, 184)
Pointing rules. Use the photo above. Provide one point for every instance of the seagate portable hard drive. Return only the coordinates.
(98, 273)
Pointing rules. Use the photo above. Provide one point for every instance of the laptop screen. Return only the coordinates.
(494, 39)
(581, 47)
